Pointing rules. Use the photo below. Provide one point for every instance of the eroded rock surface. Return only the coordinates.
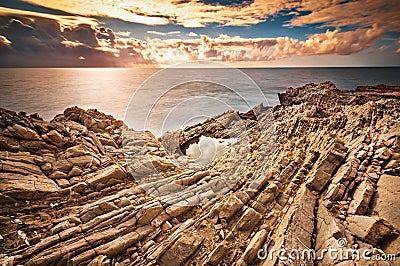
(326, 167)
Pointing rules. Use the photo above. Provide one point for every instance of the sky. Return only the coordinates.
(250, 33)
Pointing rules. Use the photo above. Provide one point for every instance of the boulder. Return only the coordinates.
(361, 198)
(18, 167)
(256, 243)
(148, 213)
(370, 229)
(109, 176)
(386, 204)
(249, 219)
(182, 249)
(218, 254)
(55, 138)
(230, 207)
(26, 187)
(23, 132)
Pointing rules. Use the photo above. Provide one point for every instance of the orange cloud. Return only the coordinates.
(65, 21)
(163, 33)
(234, 49)
(398, 43)
(188, 13)
(384, 13)
(330, 42)
(193, 13)
(34, 39)
(4, 41)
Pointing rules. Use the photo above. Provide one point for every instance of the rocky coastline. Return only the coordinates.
(68, 194)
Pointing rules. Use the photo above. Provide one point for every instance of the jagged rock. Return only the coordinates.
(148, 213)
(178, 209)
(58, 175)
(82, 161)
(370, 229)
(296, 175)
(55, 138)
(319, 180)
(109, 176)
(182, 249)
(63, 183)
(23, 132)
(325, 169)
(230, 207)
(20, 167)
(255, 244)
(361, 198)
(114, 247)
(75, 152)
(75, 171)
(26, 187)
(296, 228)
(249, 219)
(386, 204)
(62, 165)
(328, 228)
(101, 260)
(218, 254)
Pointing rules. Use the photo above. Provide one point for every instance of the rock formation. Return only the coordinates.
(324, 172)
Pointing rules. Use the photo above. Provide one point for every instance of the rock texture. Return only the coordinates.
(68, 193)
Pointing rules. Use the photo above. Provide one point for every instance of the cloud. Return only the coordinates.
(192, 34)
(123, 33)
(192, 13)
(398, 44)
(235, 48)
(32, 39)
(4, 41)
(382, 48)
(186, 13)
(330, 42)
(177, 32)
(64, 21)
(163, 33)
(156, 33)
(384, 13)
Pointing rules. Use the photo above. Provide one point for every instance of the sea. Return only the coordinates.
(162, 100)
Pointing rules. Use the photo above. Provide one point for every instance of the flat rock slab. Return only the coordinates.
(109, 176)
(26, 187)
(182, 249)
(387, 202)
(370, 229)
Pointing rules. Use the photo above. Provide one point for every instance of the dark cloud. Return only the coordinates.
(84, 34)
(237, 3)
(27, 41)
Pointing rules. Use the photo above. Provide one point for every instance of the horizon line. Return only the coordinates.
(249, 67)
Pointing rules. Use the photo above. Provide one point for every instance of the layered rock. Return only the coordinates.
(320, 167)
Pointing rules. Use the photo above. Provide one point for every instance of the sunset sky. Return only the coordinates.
(273, 33)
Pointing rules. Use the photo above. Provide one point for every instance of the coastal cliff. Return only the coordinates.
(321, 167)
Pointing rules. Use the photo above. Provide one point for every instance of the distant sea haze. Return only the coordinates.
(50, 91)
